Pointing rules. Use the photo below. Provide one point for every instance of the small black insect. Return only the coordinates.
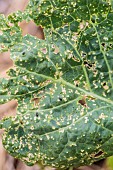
(36, 114)
(23, 53)
(60, 98)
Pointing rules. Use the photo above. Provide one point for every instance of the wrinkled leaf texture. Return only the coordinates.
(63, 84)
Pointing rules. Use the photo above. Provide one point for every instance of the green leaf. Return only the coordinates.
(109, 162)
(63, 84)
(10, 34)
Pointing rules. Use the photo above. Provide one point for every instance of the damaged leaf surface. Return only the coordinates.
(63, 84)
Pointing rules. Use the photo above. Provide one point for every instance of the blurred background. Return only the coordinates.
(6, 161)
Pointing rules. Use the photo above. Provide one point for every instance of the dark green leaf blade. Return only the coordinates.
(63, 84)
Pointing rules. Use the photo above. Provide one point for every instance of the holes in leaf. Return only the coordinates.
(75, 59)
(97, 155)
(103, 44)
(105, 86)
(76, 83)
(85, 62)
(88, 65)
(36, 101)
(82, 102)
(110, 45)
(44, 50)
(55, 48)
(32, 29)
(100, 153)
(83, 54)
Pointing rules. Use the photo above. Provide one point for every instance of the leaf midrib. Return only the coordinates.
(62, 81)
